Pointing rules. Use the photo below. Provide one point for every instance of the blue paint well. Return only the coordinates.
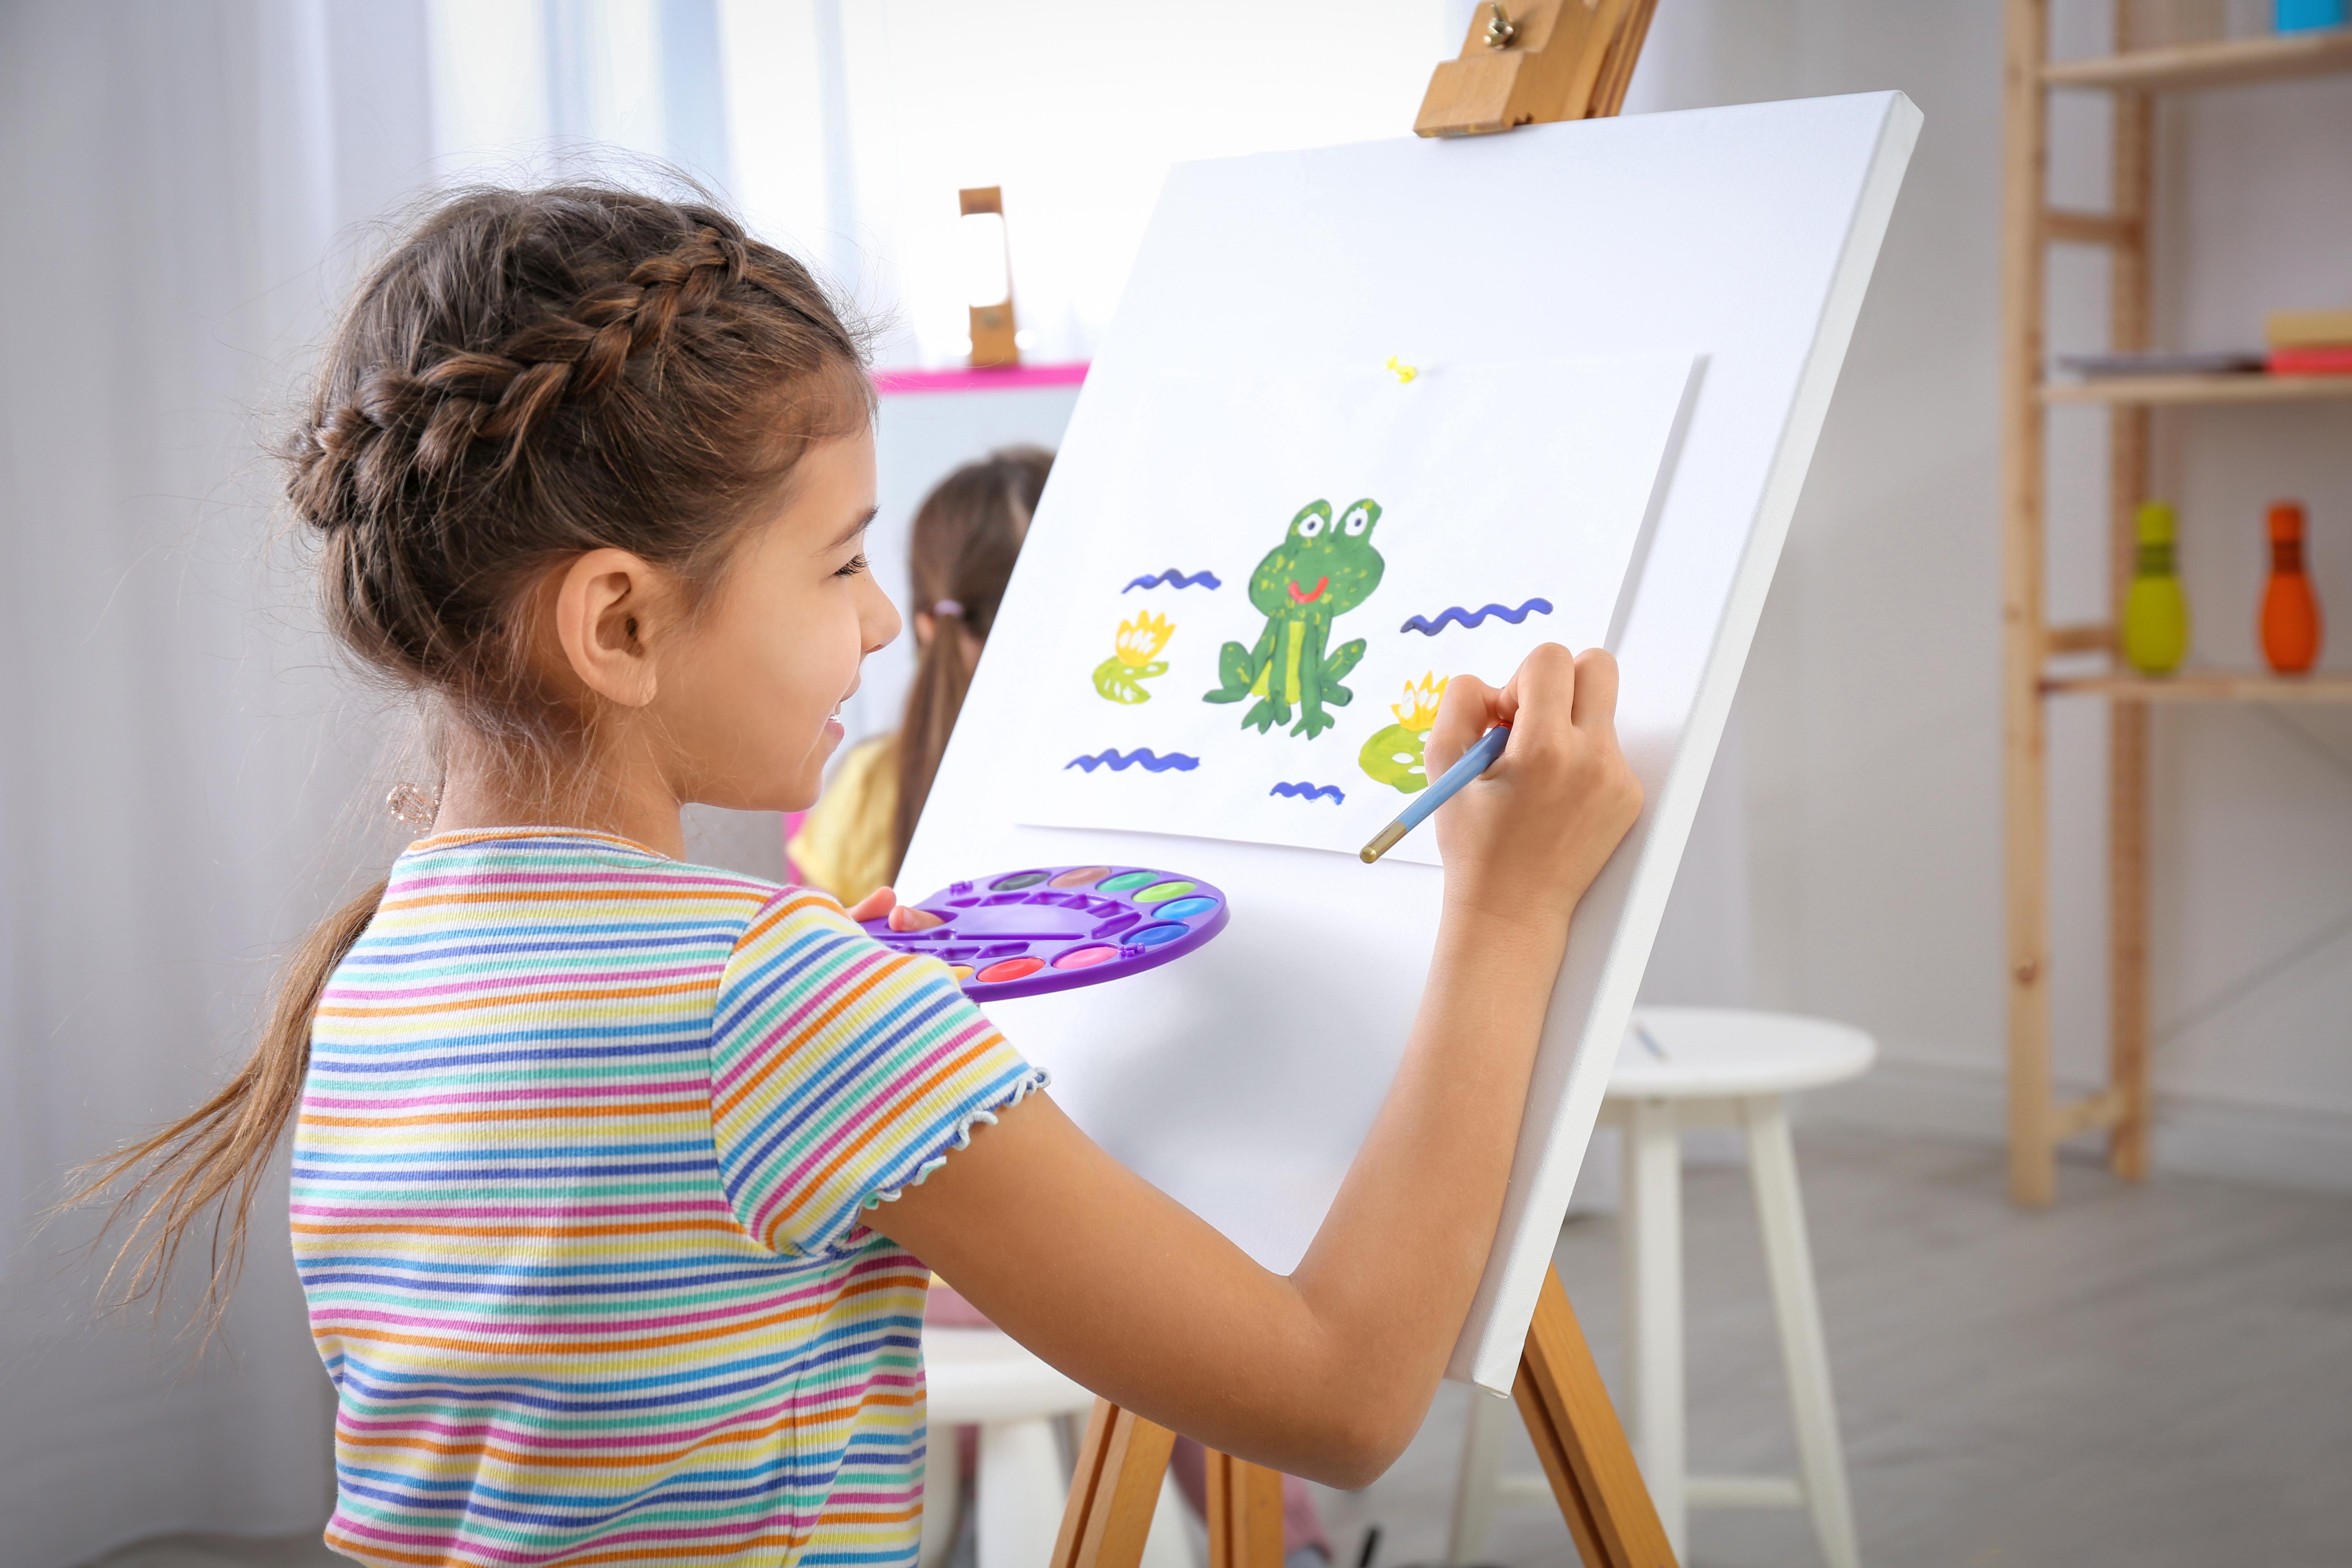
(1185, 908)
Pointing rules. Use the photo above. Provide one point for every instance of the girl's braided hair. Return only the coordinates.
(528, 376)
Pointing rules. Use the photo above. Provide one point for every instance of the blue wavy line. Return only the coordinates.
(1459, 616)
(1140, 757)
(1310, 792)
(1174, 579)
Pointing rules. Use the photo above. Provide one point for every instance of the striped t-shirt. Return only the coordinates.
(579, 1185)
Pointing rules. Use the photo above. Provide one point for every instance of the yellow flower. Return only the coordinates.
(1418, 709)
(1140, 639)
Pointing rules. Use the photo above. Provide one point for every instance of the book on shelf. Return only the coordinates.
(2307, 330)
(2162, 362)
(2326, 359)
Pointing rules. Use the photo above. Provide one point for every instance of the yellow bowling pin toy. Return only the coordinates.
(2155, 611)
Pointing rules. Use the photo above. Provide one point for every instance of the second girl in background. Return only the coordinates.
(967, 534)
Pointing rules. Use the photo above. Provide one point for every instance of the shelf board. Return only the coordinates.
(2224, 63)
(2205, 686)
(2251, 387)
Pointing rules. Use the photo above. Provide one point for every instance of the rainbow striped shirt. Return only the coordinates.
(587, 1142)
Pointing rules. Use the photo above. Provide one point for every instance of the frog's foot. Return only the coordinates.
(1234, 669)
(1313, 721)
(1266, 715)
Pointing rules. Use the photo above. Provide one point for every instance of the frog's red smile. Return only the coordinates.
(1298, 598)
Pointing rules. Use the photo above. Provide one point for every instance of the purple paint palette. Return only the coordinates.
(1051, 928)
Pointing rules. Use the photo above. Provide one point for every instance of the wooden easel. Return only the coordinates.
(1560, 1395)
(1540, 60)
(1531, 60)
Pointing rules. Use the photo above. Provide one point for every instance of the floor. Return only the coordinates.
(2150, 1376)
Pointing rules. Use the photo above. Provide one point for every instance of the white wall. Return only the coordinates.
(1871, 705)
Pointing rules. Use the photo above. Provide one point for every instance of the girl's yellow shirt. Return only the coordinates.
(844, 846)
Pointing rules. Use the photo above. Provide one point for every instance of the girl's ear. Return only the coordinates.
(609, 611)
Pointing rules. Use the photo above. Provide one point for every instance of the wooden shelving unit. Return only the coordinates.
(2037, 1121)
(2179, 389)
(2186, 67)
(2204, 686)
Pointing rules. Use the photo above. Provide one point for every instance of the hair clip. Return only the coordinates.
(948, 610)
(413, 807)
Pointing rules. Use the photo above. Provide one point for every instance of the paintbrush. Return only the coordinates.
(1473, 761)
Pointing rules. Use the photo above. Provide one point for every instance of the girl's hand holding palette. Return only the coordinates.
(1055, 927)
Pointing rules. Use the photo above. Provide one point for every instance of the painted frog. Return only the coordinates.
(1321, 570)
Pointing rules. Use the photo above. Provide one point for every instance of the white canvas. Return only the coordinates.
(1280, 571)
(1242, 1078)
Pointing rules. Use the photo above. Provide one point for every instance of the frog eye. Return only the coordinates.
(1359, 517)
(1310, 525)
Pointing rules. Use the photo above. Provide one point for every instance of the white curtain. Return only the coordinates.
(179, 793)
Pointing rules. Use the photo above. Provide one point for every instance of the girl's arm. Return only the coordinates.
(1327, 1372)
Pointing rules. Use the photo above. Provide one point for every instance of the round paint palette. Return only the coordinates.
(1050, 928)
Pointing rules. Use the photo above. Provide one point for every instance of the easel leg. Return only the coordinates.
(1113, 1490)
(1559, 1394)
(1245, 1514)
(1584, 1452)
(1120, 1468)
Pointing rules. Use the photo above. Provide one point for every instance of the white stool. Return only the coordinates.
(982, 1377)
(1702, 1066)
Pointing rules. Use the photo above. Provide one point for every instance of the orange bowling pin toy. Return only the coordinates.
(2291, 624)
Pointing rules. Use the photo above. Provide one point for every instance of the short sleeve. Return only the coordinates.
(841, 1073)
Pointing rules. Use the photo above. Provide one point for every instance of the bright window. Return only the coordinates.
(842, 129)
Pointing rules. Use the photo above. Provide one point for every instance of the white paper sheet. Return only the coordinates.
(1243, 568)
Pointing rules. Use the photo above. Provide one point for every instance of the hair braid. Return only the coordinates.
(501, 394)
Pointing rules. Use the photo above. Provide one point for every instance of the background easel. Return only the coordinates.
(1544, 60)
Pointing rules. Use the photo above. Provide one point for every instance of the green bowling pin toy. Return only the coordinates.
(2156, 612)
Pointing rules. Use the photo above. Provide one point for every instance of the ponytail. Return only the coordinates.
(942, 678)
(217, 1153)
(967, 535)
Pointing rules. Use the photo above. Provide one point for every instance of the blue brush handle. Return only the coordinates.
(1471, 762)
